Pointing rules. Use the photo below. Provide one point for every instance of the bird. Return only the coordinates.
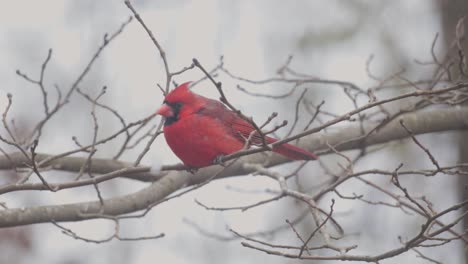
(200, 130)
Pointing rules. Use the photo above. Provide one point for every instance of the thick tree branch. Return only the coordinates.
(89, 210)
(418, 122)
(345, 138)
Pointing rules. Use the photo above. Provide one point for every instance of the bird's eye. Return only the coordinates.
(176, 106)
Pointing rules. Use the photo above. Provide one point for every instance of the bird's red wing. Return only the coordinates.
(236, 126)
(241, 129)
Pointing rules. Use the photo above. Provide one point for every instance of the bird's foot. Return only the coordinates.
(191, 170)
(219, 160)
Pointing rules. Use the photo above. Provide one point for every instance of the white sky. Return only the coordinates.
(330, 39)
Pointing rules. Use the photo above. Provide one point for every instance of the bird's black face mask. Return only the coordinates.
(174, 117)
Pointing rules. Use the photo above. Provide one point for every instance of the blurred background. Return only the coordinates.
(328, 39)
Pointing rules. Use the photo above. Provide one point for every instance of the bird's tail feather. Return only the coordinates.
(292, 152)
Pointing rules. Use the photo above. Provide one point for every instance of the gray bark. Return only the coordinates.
(419, 122)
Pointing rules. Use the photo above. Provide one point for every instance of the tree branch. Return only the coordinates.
(418, 122)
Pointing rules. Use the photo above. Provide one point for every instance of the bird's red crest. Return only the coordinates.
(180, 94)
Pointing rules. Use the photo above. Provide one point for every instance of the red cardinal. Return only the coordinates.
(199, 130)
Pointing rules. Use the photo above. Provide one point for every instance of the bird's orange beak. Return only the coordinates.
(165, 111)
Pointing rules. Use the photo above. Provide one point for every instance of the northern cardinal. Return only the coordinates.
(200, 130)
